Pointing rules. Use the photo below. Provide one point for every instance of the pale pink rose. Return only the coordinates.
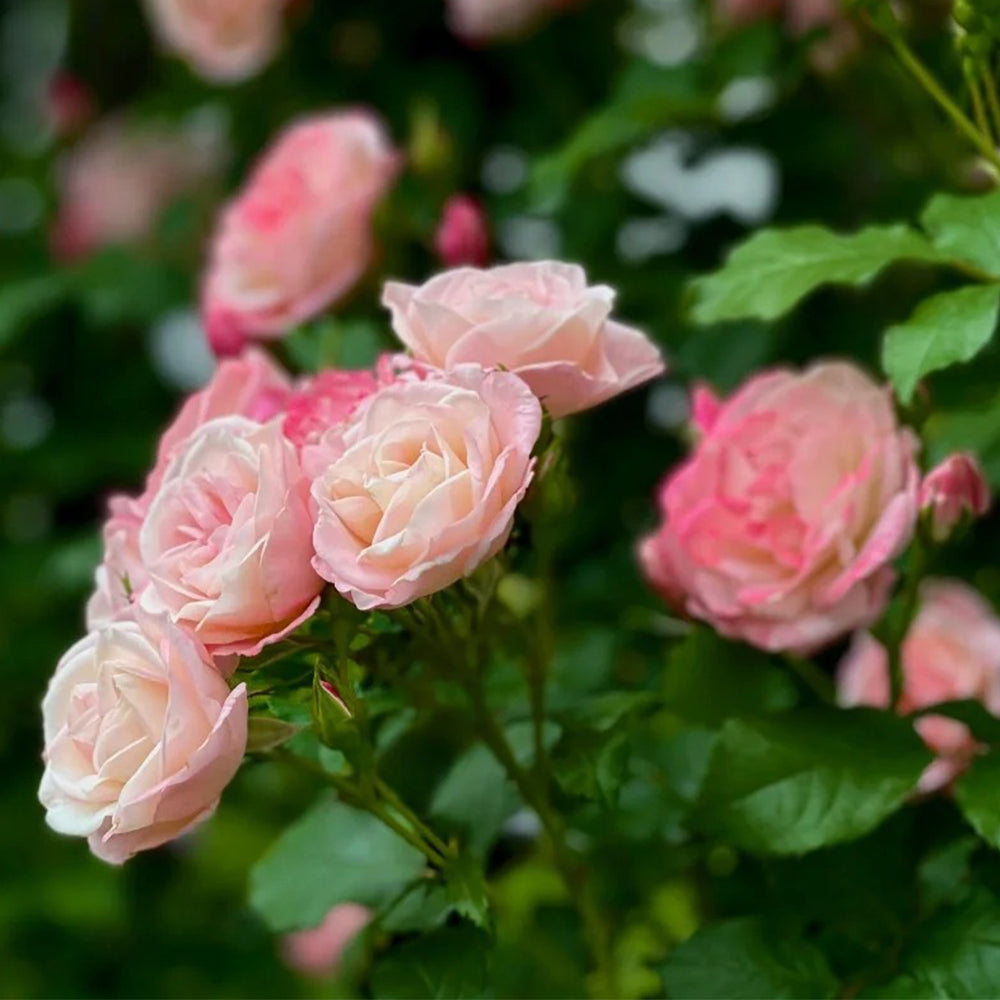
(299, 235)
(115, 183)
(224, 41)
(251, 386)
(227, 538)
(954, 489)
(121, 576)
(482, 20)
(539, 320)
(781, 526)
(317, 951)
(462, 236)
(141, 736)
(324, 401)
(424, 490)
(951, 653)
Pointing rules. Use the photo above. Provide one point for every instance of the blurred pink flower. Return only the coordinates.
(115, 183)
(482, 20)
(299, 235)
(952, 490)
(462, 236)
(317, 951)
(951, 653)
(69, 105)
(781, 527)
(224, 41)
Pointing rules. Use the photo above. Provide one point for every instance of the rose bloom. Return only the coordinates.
(540, 320)
(141, 736)
(299, 236)
(227, 537)
(424, 487)
(780, 528)
(224, 41)
(317, 951)
(324, 401)
(251, 386)
(951, 653)
(481, 20)
(115, 183)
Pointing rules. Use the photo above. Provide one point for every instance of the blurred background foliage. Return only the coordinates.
(639, 138)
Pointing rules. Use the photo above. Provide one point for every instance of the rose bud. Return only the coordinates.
(462, 236)
(951, 491)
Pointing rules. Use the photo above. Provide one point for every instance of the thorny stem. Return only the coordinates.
(899, 624)
(568, 864)
(926, 79)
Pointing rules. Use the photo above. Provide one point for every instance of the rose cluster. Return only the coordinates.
(381, 486)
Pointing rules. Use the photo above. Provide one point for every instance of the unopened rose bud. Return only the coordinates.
(952, 490)
(334, 695)
(462, 237)
(68, 103)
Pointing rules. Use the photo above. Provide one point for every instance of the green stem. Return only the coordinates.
(568, 864)
(992, 100)
(412, 831)
(961, 121)
(978, 107)
(899, 624)
(391, 797)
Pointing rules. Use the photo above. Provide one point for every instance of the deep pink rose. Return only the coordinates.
(324, 401)
(952, 490)
(462, 236)
(227, 537)
(115, 183)
(425, 485)
(951, 653)
(224, 41)
(781, 526)
(317, 951)
(141, 736)
(299, 235)
(539, 320)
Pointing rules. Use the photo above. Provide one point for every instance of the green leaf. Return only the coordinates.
(449, 963)
(422, 907)
(747, 959)
(771, 271)
(709, 680)
(333, 854)
(944, 330)
(476, 797)
(592, 764)
(790, 784)
(954, 956)
(966, 228)
(467, 891)
(978, 796)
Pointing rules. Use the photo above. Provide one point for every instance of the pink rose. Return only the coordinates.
(227, 538)
(251, 386)
(324, 401)
(68, 103)
(952, 490)
(317, 951)
(114, 185)
(141, 736)
(951, 653)
(299, 236)
(424, 490)
(224, 41)
(780, 528)
(539, 320)
(481, 20)
(462, 236)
